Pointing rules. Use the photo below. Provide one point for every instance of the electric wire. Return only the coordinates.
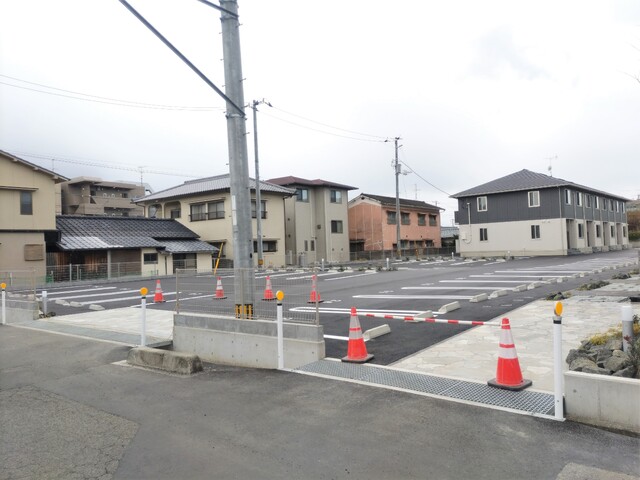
(421, 177)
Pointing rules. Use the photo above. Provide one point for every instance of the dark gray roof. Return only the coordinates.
(220, 183)
(404, 202)
(449, 232)
(79, 232)
(291, 181)
(524, 180)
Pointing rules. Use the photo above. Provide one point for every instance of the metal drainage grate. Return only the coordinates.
(523, 401)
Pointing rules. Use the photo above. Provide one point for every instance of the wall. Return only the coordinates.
(602, 400)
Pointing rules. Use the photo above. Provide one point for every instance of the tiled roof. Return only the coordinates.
(449, 232)
(523, 180)
(290, 180)
(391, 202)
(220, 183)
(101, 232)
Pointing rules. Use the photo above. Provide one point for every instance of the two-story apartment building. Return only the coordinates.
(94, 196)
(316, 220)
(204, 206)
(28, 213)
(529, 213)
(372, 224)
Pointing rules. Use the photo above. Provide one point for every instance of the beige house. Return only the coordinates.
(317, 224)
(204, 206)
(28, 213)
(94, 196)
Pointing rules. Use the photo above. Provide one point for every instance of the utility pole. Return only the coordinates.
(396, 166)
(238, 162)
(254, 106)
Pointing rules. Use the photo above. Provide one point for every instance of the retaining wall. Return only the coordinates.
(246, 343)
(602, 400)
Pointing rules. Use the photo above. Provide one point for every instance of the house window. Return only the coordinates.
(405, 218)
(302, 194)
(482, 204)
(580, 230)
(313, 245)
(613, 231)
(596, 202)
(391, 217)
(534, 198)
(624, 231)
(433, 220)
(484, 236)
(216, 210)
(597, 230)
(422, 220)
(150, 258)
(589, 201)
(336, 196)
(336, 226)
(198, 212)
(579, 199)
(567, 196)
(267, 246)
(263, 209)
(623, 207)
(535, 231)
(617, 207)
(26, 203)
(611, 205)
(306, 245)
(175, 213)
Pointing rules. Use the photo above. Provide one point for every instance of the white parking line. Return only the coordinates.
(487, 288)
(363, 311)
(481, 281)
(120, 292)
(516, 276)
(350, 276)
(53, 292)
(417, 297)
(120, 299)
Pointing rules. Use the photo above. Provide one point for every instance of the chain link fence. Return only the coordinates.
(20, 295)
(406, 253)
(219, 293)
(98, 271)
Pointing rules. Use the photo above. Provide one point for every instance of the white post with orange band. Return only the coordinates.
(558, 390)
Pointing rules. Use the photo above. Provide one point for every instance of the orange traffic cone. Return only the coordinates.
(268, 291)
(158, 297)
(314, 297)
(357, 350)
(508, 373)
(219, 291)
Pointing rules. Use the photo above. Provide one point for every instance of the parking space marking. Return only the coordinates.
(54, 292)
(416, 297)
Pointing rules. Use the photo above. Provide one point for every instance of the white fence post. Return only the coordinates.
(280, 326)
(558, 390)
(143, 313)
(4, 308)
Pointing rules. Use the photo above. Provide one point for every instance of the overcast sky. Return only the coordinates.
(476, 90)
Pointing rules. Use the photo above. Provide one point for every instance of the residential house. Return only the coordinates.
(529, 213)
(115, 246)
(28, 213)
(316, 220)
(93, 196)
(204, 206)
(372, 224)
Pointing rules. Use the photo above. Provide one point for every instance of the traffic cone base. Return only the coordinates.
(508, 373)
(158, 297)
(314, 297)
(356, 350)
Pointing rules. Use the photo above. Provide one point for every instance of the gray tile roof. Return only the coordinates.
(220, 183)
(79, 232)
(290, 181)
(524, 180)
(404, 202)
(449, 232)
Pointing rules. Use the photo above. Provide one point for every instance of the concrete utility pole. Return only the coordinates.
(396, 166)
(238, 163)
(254, 106)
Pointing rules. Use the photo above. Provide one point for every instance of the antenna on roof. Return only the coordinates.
(555, 157)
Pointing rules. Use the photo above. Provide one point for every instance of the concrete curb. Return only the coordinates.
(376, 332)
(167, 360)
(449, 307)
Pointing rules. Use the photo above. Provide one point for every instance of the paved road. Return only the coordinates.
(68, 412)
(413, 288)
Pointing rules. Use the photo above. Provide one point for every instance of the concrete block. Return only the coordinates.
(560, 280)
(449, 307)
(75, 304)
(498, 293)
(95, 306)
(520, 288)
(167, 360)
(421, 316)
(376, 332)
(479, 298)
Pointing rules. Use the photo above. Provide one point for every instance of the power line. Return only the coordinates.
(422, 178)
(323, 131)
(98, 99)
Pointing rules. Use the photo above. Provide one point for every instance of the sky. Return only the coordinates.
(475, 91)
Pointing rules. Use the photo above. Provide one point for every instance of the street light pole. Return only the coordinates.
(396, 165)
(254, 106)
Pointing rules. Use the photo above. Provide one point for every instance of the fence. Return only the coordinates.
(413, 253)
(207, 293)
(20, 291)
(98, 271)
